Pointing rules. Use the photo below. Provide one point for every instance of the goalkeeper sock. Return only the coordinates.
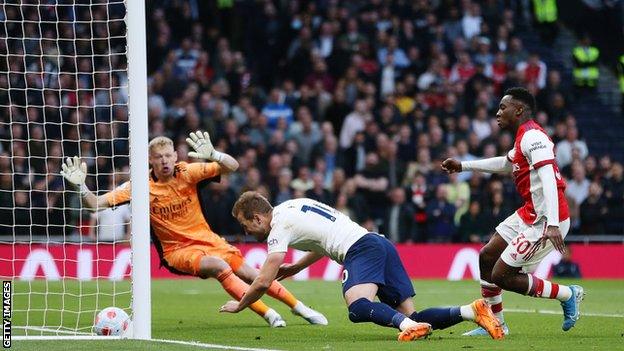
(234, 286)
(439, 317)
(279, 292)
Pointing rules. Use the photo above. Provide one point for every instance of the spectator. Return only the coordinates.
(393, 50)
(566, 268)
(532, 71)
(354, 122)
(565, 147)
(472, 225)
(458, 194)
(275, 109)
(399, 220)
(614, 191)
(440, 217)
(594, 211)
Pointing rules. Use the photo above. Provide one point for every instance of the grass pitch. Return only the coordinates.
(188, 310)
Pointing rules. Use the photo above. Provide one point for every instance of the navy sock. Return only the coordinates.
(439, 317)
(364, 310)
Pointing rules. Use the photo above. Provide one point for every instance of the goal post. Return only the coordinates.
(73, 82)
(137, 82)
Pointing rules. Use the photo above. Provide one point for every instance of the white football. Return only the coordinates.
(111, 321)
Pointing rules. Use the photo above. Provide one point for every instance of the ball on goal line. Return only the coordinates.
(112, 321)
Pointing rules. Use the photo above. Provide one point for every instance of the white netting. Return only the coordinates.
(63, 92)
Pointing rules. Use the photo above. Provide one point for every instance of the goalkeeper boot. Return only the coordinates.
(486, 319)
(417, 331)
(274, 319)
(571, 310)
(310, 315)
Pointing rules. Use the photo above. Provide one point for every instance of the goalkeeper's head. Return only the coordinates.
(162, 157)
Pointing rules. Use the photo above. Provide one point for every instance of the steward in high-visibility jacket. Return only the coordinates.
(585, 70)
(545, 11)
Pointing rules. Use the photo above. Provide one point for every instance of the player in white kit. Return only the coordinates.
(523, 239)
(372, 266)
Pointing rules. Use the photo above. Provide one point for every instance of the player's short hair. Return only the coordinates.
(524, 96)
(250, 203)
(159, 142)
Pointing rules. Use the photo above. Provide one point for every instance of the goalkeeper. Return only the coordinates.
(183, 238)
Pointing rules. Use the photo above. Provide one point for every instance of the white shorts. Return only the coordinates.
(525, 244)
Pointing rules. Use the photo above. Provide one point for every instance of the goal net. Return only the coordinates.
(64, 92)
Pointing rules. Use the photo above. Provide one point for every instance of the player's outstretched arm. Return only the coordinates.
(200, 142)
(259, 286)
(287, 270)
(75, 172)
(498, 164)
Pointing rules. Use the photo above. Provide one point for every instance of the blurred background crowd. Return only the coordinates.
(352, 103)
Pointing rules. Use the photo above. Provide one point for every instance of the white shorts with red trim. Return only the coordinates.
(525, 241)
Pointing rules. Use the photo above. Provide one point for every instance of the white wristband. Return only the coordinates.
(83, 189)
(217, 156)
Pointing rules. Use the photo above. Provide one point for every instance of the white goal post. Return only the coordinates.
(73, 82)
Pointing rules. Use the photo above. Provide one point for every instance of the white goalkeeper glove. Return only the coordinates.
(200, 142)
(75, 172)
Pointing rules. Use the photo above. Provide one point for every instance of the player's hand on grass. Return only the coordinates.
(554, 235)
(74, 171)
(230, 307)
(200, 142)
(451, 165)
(287, 270)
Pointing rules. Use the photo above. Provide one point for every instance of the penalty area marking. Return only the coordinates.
(586, 314)
(209, 346)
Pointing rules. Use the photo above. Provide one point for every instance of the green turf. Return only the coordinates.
(187, 310)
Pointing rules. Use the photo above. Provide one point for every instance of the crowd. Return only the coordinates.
(353, 103)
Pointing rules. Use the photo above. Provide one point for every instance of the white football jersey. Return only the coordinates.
(308, 225)
(534, 149)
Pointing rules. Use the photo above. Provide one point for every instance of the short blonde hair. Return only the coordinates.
(159, 142)
(250, 203)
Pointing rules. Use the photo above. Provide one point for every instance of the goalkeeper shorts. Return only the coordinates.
(188, 259)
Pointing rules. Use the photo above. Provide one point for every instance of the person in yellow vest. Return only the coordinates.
(620, 68)
(545, 12)
(585, 72)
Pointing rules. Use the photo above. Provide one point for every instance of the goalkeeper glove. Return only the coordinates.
(200, 142)
(75, 172)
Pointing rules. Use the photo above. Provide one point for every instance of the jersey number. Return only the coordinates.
(306, 208)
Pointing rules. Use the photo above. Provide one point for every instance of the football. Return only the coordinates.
(111, 321)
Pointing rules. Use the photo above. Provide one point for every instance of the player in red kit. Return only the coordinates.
(523, 239)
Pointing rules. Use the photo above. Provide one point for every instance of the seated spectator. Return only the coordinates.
(614, 191)
(399, 223)
(303, 182)
(472, 225)
(578, 187)
(275, 109)
(354, 122)
(318, 191)
(440, 217)
(594, 211)
(458, 194)
(566, 268)
(372, 184)
(564, 147)
(283, 192)
(398, 55)
(533, 71)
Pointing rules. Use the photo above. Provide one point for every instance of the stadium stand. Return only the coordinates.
(352, 103)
